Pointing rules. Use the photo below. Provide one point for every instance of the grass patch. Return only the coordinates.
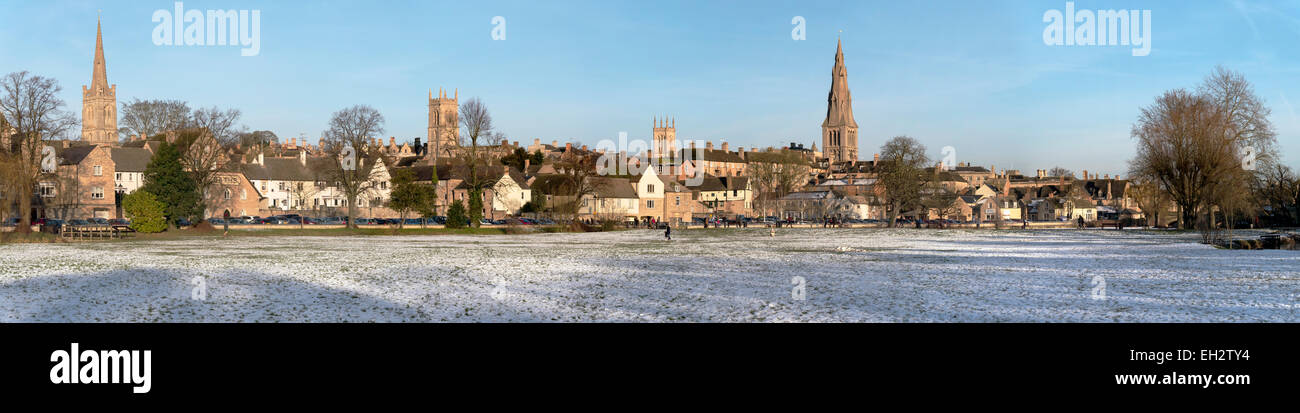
(27, 238)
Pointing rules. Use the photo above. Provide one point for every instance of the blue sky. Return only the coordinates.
(975, 75)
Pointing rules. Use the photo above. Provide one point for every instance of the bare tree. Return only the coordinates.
(1191, 145)
(578, 171)
(1277, 188)
(1060, 172)
(151, 117)
(775, 175)
(1151, 199)
(351, 129)
(478, 141)
(1179, 147)
(901, 174)
(221, 124)
(33, 109)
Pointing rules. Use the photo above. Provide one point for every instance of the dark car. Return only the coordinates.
(182, 222)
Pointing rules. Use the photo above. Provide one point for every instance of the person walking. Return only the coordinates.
(668, 232)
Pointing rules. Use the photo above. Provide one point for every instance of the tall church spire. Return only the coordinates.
(840, 130)
(99, 100)
(100, 78)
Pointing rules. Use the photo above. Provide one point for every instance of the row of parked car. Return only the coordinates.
(295, 219)
(13, 222)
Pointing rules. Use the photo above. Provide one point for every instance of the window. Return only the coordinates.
(226, 194)
(97, 192)
(263, 186)
(650, 188)
(300, 186)
(281, 186)
(243, 194)
(117, 176)
(99, 170)
(47, 190)
(677, 201)
(650, 203)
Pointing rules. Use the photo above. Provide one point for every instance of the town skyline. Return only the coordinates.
(793, 114)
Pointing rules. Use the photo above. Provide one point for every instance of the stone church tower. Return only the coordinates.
(99, 101)
(444, 125)
(839, 130)
(665, 137)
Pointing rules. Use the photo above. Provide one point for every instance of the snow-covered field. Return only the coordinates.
(702, 275)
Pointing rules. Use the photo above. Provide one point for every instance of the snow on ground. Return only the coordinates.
(852, 275)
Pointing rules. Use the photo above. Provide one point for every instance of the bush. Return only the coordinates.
(456, 215)
(146, 212)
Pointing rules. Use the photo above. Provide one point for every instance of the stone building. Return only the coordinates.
(839, 130)
(665, 137)
(444, 126)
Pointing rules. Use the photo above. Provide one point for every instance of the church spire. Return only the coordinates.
(100, 77)
(839, 130)
(99, 100)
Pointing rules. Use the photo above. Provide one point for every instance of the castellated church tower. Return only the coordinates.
(839, 130)
(99, 101)
(665, 137)
(444, 126)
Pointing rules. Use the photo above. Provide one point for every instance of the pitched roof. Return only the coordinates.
(74, 155)
(612, 187)
(280, 169)
(130, 159)
(672, 185)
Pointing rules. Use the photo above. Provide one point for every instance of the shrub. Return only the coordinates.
(146, 212)
(456, 215)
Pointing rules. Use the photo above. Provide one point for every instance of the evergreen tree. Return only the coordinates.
(167, 180)
(475, 207)
(456, 215)
(409, 196)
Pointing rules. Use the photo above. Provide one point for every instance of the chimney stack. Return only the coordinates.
(725, 147)
(708, 145)
(568, 147)
(1085, 174)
